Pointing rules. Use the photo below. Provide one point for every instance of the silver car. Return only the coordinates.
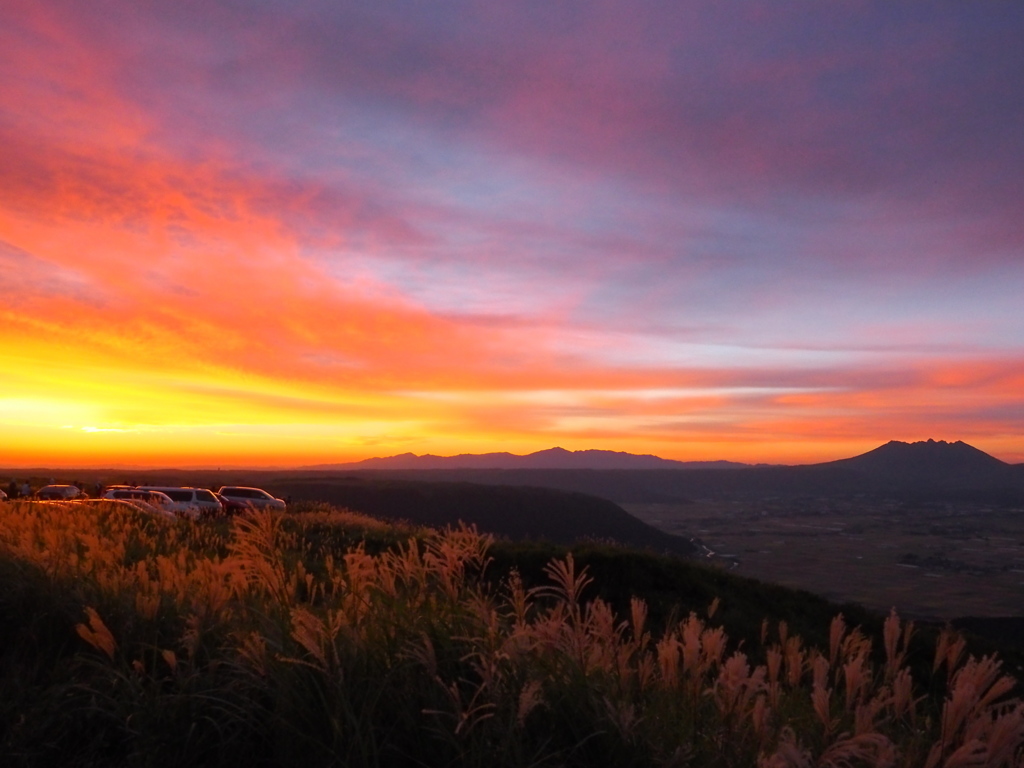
(150, 500)
(192, 502)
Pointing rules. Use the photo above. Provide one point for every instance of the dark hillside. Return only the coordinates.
(513, 512)
(674, 587)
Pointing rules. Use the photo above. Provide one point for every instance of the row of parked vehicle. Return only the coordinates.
(173, 501)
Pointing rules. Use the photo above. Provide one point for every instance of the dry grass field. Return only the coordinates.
(325, 638)
(929, 561)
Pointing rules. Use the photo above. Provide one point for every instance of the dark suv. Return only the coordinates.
(253, 498)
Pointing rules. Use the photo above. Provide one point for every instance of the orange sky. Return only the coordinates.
(257, 241)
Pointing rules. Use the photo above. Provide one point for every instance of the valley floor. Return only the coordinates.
(935, 561)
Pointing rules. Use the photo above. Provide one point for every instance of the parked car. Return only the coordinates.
(61, 493)
(3, 495)
(152, 502)
(232, 506)
(252, 498)
(152, 498)
(192, 502)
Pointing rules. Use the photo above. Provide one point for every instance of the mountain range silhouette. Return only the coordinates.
(550, 458)
(924, 469)
(895, 457)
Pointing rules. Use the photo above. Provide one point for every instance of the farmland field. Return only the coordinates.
(932, 561)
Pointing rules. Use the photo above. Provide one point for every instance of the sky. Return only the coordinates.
(286, 232)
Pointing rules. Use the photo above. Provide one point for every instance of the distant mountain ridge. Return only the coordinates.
(551, 458)
(929, 469)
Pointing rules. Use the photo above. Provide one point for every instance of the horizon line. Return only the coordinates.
(326, 465)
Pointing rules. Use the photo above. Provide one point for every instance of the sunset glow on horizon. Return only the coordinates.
(289, 233)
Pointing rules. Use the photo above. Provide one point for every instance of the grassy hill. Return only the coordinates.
(323, 637)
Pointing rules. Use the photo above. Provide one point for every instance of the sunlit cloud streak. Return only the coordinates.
(771, 232)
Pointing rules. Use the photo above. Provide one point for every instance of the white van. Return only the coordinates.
(190, 502)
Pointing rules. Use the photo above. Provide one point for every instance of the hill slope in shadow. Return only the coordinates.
(514, 512)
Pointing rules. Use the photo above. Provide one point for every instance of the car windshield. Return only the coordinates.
(205, 496)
